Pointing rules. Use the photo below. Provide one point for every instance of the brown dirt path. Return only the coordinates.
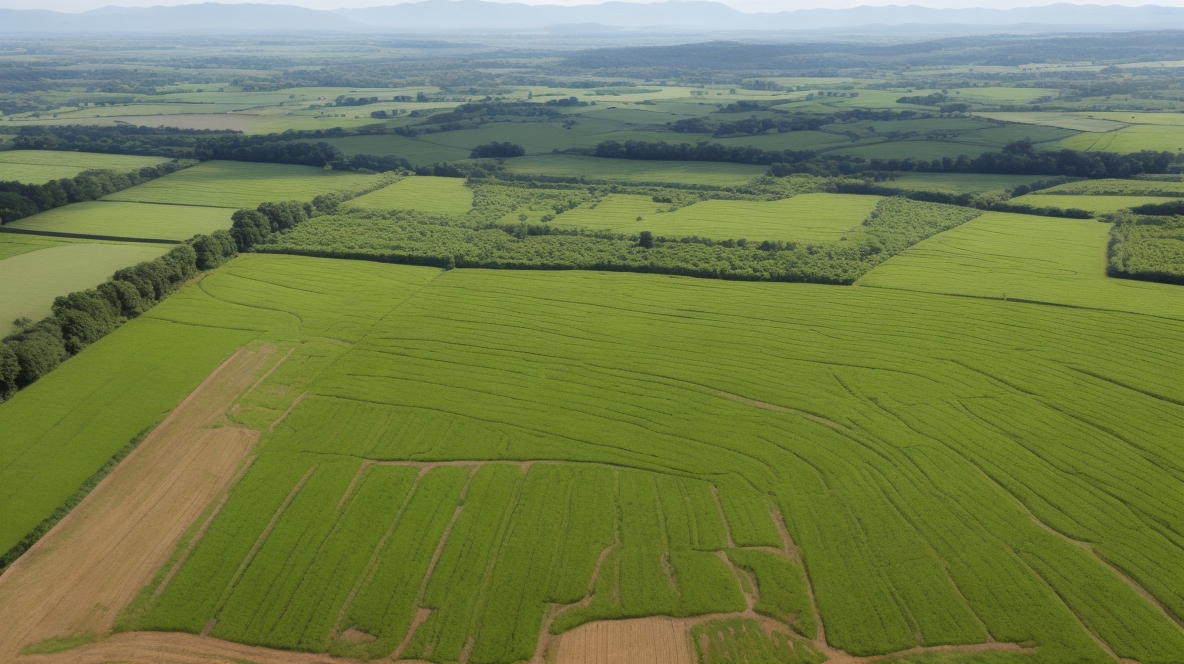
(84, 571)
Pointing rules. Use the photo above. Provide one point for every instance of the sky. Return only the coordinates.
(742, 5)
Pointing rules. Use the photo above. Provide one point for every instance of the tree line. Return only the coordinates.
(1017, 158)
(19, 200)
(83, 317)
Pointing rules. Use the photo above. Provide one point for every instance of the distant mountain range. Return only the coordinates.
(478, 16)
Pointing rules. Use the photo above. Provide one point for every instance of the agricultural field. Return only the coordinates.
(425, 194)
(430, 466)
(806, 218)
(1096, 204)
(128, 220)
(232, 184)
(47, 269)
(682, 403)
(1027, 258)
(624, 170)
(40, 166)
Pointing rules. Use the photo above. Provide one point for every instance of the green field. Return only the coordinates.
(1131, 139)
(808, 218)
(950, 429)
(1098, 204)
(423, 193)
(129, 220)
(957, 183)
(1160, 188)
(232, 184)
(48, 272)
(40, 166)
(689, 172)
(1023, 257)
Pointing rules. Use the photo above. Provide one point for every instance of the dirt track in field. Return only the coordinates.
(84, 571)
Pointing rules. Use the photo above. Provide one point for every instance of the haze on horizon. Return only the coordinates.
(742, 5)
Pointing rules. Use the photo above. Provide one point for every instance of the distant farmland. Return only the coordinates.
(38, 166)
(241, 185)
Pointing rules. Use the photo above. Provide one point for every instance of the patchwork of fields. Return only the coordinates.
(454, 448)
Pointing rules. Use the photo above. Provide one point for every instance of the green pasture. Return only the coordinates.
(233, 184)
(1028, 258)
(1131, 139)
(1097, 204)
(129, 220)
(806, 218)
(953, 430)
(41, 166)
(423, 193)
(36, 272)
(630, 170)
(956, 183)
(1141, 187)
(1086, 122)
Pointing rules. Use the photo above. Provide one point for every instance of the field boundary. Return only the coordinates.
(86, 236)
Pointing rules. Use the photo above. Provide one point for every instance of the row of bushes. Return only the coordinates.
(83, 317)
(19, 200)
(1017, 158)
(996, 201)
(1145, 247)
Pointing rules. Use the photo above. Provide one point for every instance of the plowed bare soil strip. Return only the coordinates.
(657, 640)
(85, 570)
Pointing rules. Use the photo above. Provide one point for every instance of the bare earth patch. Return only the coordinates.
(86, 570)
(657, 640)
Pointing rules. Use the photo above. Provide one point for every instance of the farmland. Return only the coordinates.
(129, 220)
(37, 166)
(229, 184)
(810, 218)
(425, 194)
(399, 399)
(511, 354)
(47, 270)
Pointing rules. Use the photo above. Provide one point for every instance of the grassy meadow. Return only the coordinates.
(232, 184)
(39, 166)
(128, 220)
(46, 270)
(624, 170)
(425, 194)
(806, 218)
(1024, 257)
(1096, 204)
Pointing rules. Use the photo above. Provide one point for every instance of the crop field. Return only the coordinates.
(233, 184)
(423, 193)
(1076, 121)
(1130, 139)
(464, 456)
(957, 183)
(1097, 204)
(689, 172)
(40, 166)
(128, 220)
(1023, 257)
(807, 218)
(45, 273)
(1159, 188)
